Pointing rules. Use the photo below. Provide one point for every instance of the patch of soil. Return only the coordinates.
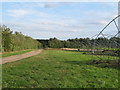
(110, 62)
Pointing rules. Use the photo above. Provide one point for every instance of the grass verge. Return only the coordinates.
(14, 53)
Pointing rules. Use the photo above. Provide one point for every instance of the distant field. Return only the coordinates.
(14, 53)
(60, 69)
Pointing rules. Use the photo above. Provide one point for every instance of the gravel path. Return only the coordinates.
(19, 57)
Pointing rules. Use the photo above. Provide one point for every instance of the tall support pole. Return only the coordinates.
(119, 19)
(119, 31)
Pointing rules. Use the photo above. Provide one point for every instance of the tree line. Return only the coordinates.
(85, 43)
(16, 41)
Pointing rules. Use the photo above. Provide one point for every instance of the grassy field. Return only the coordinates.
(14, 53)
(59, 69)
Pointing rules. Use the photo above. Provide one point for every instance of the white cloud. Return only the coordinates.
(41, 14)
(18, 13)
(33, 27)
(48, 5)
(103, 22)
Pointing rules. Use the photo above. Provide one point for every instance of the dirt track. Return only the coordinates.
(19, 57)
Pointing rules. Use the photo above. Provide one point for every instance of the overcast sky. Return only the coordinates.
(60, 20)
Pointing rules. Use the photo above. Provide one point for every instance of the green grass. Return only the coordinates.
(59, 69)
(14, 53)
